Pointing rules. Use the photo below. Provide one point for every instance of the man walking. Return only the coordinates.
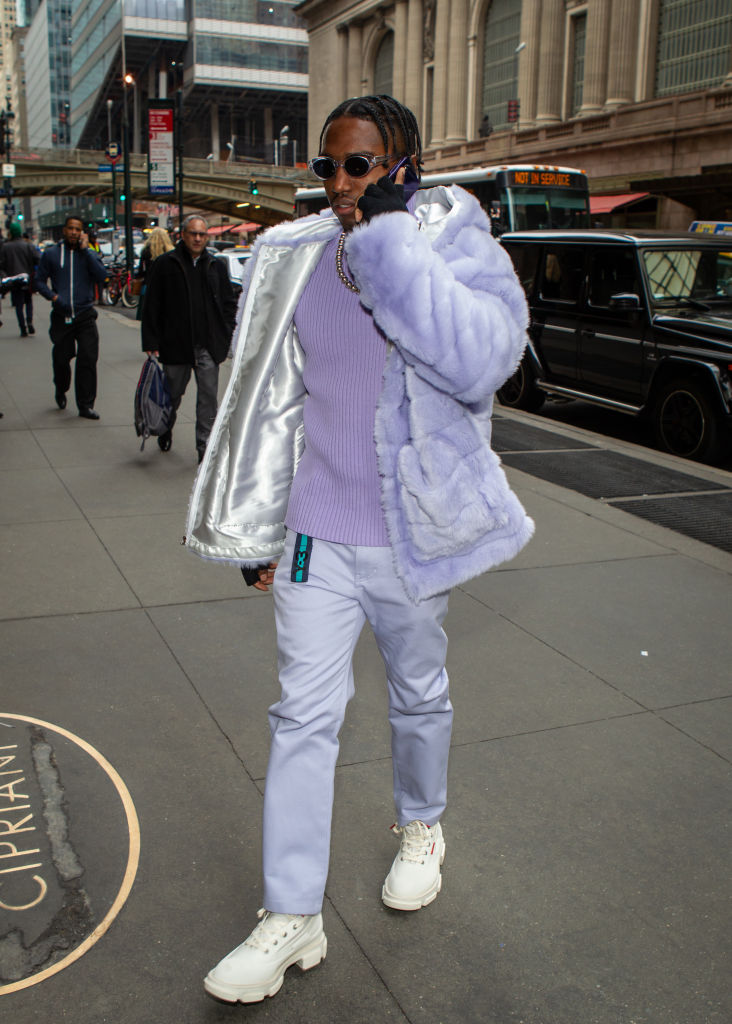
(187, 321)
(17, 256)
(73, 269)
(354, 450)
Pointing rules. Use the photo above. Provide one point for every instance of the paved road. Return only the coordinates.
(587, 878)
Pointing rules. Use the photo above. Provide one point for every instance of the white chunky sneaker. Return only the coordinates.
(415, 879)
(256, 968)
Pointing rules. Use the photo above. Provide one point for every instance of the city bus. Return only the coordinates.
(515, 196)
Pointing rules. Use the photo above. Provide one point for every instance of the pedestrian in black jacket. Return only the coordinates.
(17, 256)
(73, 269)
(187, 321)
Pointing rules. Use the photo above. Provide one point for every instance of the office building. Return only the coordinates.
(241, 66)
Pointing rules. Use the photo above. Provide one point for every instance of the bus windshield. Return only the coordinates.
(535, 208)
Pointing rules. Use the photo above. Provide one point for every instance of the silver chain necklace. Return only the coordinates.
(339, 265)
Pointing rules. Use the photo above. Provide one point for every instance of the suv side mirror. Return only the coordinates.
(624, 300)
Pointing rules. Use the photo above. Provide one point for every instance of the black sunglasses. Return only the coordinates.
(355, 166)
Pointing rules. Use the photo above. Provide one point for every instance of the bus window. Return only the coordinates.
(568, 209)
(526, 209)
(535, 209)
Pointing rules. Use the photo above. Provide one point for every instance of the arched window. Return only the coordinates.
(694, 38)
(500, 63)
(384, 66)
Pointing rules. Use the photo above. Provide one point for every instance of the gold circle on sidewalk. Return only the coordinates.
(133, 857)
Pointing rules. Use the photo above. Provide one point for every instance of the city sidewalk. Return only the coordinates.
(588, 867)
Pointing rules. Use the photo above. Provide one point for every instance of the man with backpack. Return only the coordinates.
(73, 269)
(187, 321)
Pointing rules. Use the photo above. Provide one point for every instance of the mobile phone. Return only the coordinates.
(411, 181)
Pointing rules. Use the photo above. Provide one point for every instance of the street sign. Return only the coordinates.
(8, 170)
(9, 209)
(113, 152)
(161, 150)
(107, 168)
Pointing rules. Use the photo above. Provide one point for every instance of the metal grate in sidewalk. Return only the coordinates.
(704, 517)
(514, 436)
(602, 474)
(680, 501)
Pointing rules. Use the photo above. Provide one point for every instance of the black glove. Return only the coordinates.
(383, 197)
(251, 576)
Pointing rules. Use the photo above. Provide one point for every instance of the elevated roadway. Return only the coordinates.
(215, 186)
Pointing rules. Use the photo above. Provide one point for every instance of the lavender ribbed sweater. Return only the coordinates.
(336, 492)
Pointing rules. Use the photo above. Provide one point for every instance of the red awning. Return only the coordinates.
(606, 204)
(220, 229)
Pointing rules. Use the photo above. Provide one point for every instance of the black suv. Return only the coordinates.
(637, 321)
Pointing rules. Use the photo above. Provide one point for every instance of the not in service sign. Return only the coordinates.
(161, 149)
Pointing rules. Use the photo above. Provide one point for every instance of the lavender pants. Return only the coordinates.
(319, 619)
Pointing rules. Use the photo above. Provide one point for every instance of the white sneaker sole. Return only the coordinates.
(417, 902)
(305, 959)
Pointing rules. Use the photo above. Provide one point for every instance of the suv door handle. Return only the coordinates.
(587, 333)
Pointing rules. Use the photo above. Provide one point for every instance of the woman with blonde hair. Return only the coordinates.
(158, 242)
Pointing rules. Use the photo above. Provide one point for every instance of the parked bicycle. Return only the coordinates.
(120, 286)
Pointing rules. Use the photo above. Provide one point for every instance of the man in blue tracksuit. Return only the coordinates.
(73, 269)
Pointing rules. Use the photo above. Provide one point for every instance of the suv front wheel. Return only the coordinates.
(520, 390)
(686, 422)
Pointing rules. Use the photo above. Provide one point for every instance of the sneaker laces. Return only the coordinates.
(271, 929)
(416, 843)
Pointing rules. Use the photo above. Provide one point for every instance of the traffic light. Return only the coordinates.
(122, 197)
(513, 111)
(254, 187)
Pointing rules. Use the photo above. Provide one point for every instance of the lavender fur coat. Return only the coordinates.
(444, 292)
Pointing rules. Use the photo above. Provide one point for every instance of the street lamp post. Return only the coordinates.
(126, 80)
(114, 172)
(6, 118)
(179, 111)
(129, 250)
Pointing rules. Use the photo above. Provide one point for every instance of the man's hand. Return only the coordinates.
(383, 197)
(261, 577)
(266, 576)
(83, 240)
(156, 354)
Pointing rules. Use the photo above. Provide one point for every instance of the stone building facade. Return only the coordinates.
(636, 92)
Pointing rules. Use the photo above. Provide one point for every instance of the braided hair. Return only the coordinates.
(390, 117)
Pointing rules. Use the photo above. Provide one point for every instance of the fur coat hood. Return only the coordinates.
(445, 294)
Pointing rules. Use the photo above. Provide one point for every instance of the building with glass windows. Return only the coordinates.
(636, 92)
(242, 66)
(46, 71)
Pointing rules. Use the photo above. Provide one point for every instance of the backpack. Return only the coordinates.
(153, 407)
